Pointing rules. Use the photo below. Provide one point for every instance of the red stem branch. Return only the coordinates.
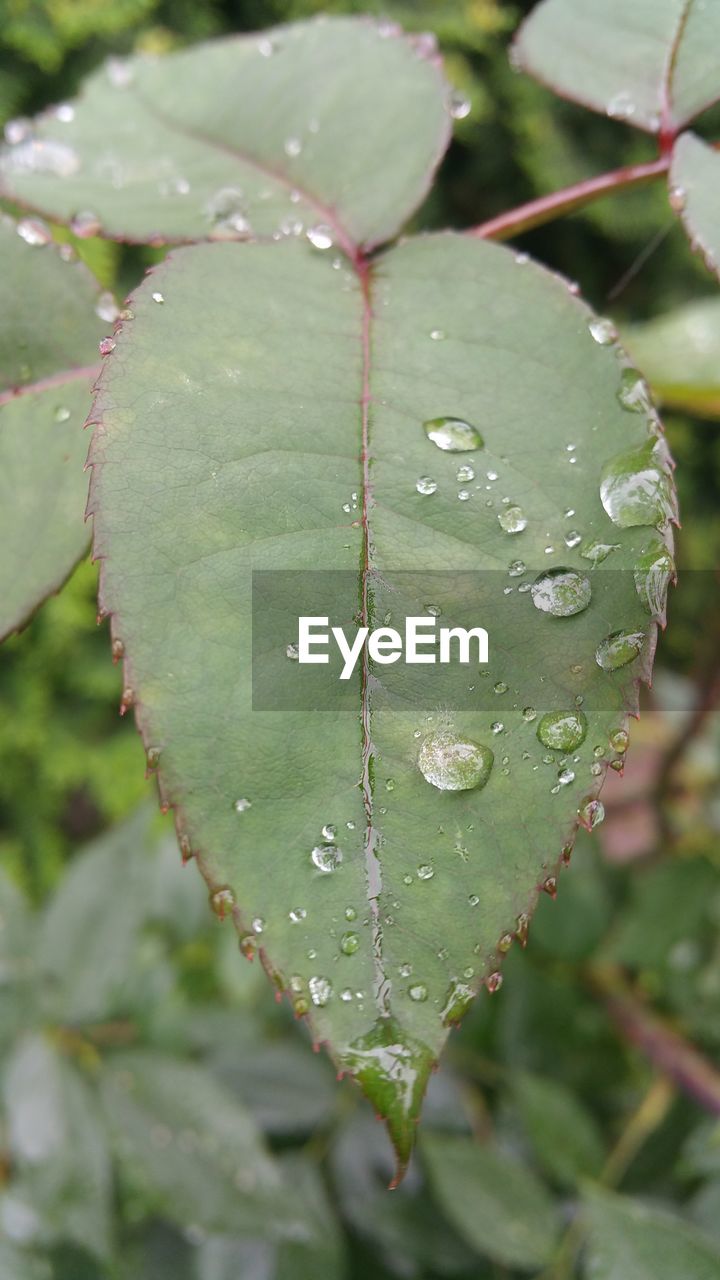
(558, 203)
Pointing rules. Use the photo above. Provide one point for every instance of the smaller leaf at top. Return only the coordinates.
(330, 127)
(652, 63)
(695, 195)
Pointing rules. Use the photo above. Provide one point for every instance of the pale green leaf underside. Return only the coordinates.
(679, 353)
(48, 347)
(652, 63)
(230, 441)
(632, 1241)
(695, 185)
(251, 130)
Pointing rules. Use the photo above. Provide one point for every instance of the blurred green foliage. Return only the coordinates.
(134, 1040)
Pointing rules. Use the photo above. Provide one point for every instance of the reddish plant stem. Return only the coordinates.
(568, 199)
(660, 1043)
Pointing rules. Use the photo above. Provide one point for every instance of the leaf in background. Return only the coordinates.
(498, 1206)
(251, 463)
(90, 927)
(17, 963)
(679, 353)
(407, 1228)
(225, 1258)
(58, 1145)
(630, 1241)
(246, 136)
(285, 1086)
(695, 195)
(565, 1137)
(48, 356)
(192, 1152)
(653, 65)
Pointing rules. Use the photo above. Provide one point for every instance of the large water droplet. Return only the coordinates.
(326, 857)
(602, 330)
(320, 237)
(654, 570)
(453, 435)
(619, 648)
(451, 763)
(635, 489)
(460, 105)
(561, 592)
(512, 520)
(562, 730)
(591, 814)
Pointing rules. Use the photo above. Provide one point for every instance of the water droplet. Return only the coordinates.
(565, 777)
(418, 992)
(654, 570)
(596, 552)
(437, 335)
(677, 197)
(505, 943)
(227, 213)
(457, 1002)
(242, 805)
(292, 652)
(265, 47)
(62, 413)
(451, 763)
(591, 814)
(459, 105)
(602, 330)
(572, 538)
(634, 393)
(497, 726)
(350, 913)
(512, 520)
(41, 155)
(619, 648)
(296, 915)
(465, 474)
(152, 755)
(463, 495)
(474, 900)
(222, 901)
(426, 485)
(17, 130)
(106, 307)
(562, 730)
(619, 740)
(34, 231)
(425, 871)
(85, 224)
(258, 924)
(561, 592)
(493, 982)
(621, 106)
(106, 346)
(635, 489)
(329, 831)
(549, 886)
(453, 435)
(326, 857)
(516, 568)
(320, 236)
(158, 297)
(320, 991)
(349, 944)
(405, 969)
(292, 147)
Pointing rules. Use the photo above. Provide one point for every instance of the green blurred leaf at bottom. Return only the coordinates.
(631, 1241)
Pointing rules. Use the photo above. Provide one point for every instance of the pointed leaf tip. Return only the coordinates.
(392, 1070)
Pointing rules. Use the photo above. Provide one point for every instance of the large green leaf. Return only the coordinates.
(630, 1241)
(679, 353)
(49, 335)
(287, 434)
(497, 1205)
(191, 1152)
(248, 135)
(695, 193)
(652, 63)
